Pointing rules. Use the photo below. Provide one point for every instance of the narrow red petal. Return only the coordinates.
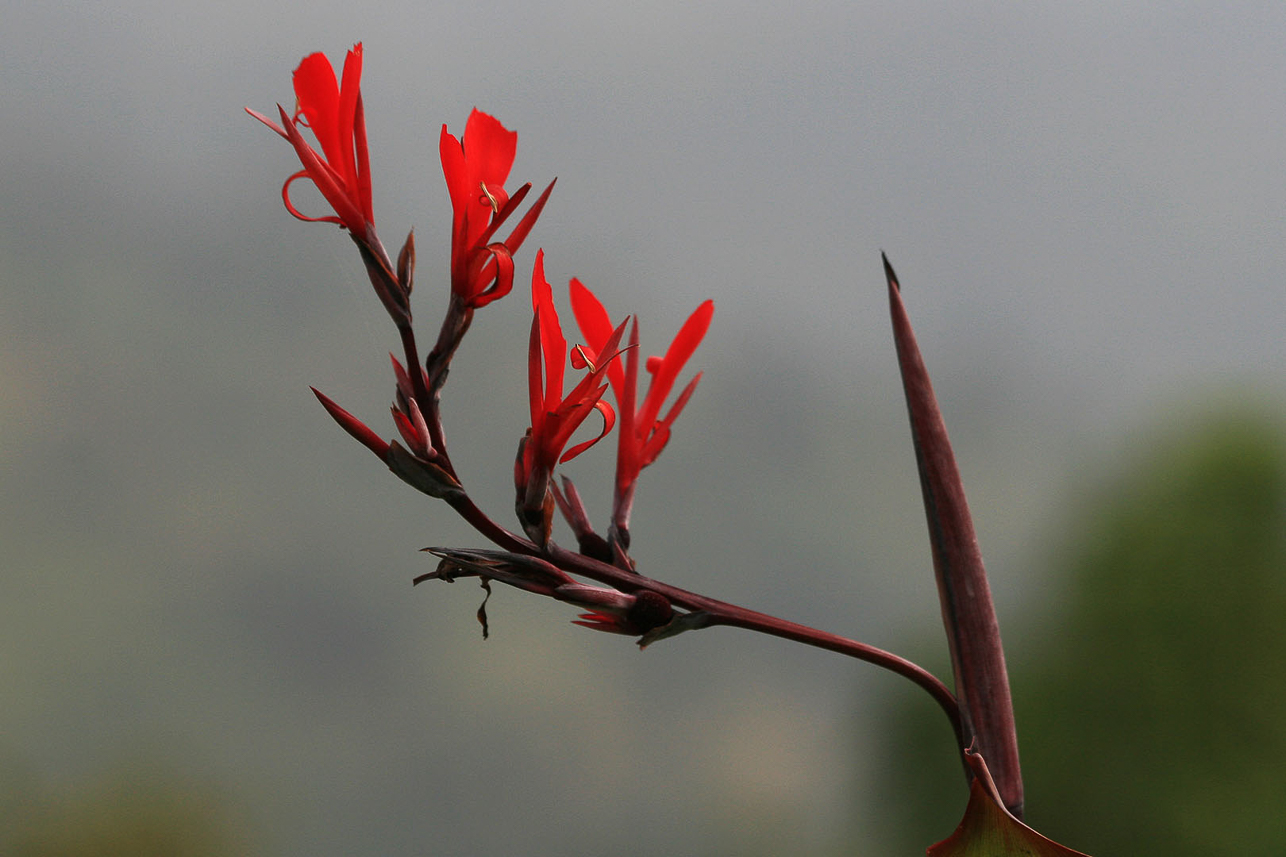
(553, 344)
(363, 162)
(596, 326)
(609, 420)
(265, 120)
(680, 350)
(591, 316)
(524, 226)
(659, 433)
(535, 397)
(405, 429)
(452, 157)
(346, 117)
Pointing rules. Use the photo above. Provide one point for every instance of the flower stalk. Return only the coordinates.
(599, 577)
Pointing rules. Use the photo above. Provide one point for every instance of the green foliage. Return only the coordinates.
(1150, 705)
(134, 811)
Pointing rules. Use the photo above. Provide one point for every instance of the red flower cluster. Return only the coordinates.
(555, 417)
(475, 167)
(333, 111)
(644, 432)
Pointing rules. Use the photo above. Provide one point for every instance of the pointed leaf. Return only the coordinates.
(973, 634)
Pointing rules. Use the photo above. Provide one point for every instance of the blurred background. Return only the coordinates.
(209, 643)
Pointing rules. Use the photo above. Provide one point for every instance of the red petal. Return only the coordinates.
(405, 429)
(659, 433)
(535, 399)
(452, 157)
(609, 420)
(590, 314)
(290, 206)
(552, 341)
(327, 181)
(510, 205)
(317, 95)
(501, 273)
(628, 392)
(346, 118)
(685, 342)
(489, 148)
(524, 226)
(265, 120)
(363, 162)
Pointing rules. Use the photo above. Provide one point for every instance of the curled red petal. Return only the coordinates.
(325, 178)
(502, 280)
(290, 206)
(609, 420)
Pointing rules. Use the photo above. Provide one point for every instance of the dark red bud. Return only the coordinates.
(650, 610)
(406, 263)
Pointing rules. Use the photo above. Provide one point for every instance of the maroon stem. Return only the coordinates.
(720, 612)
(412, 355)
(723, 613)
(740, 617)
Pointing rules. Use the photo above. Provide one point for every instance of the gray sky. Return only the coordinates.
(1084, 203)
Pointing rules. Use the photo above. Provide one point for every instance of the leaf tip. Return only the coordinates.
(889, 274)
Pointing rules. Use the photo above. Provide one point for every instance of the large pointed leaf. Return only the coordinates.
(973, 634)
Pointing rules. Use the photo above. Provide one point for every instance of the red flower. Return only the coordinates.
(555, 417)
(476, 167)
(644, 432)
(334, 113)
